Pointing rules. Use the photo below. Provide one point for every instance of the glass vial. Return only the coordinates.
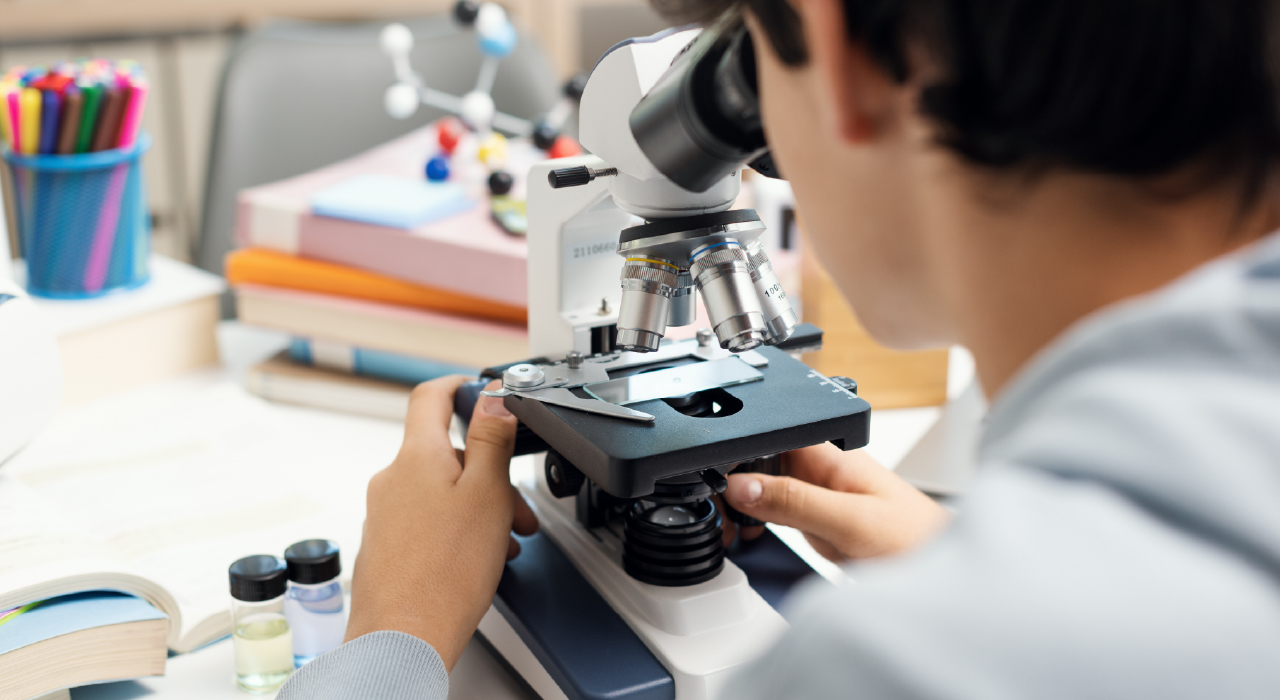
(260, 633)
(314, 603)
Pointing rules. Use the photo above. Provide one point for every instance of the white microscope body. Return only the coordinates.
(700, 632)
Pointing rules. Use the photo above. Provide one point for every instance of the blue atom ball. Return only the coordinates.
(501, 44)
(438, 169)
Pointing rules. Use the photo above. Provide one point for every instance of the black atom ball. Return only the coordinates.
(545, 135)
(574, 87)
(465, 12)
(500, 183)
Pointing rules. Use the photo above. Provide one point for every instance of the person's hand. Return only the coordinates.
(437, 531)
(847, 505)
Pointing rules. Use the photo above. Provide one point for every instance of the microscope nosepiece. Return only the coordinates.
(723, 274)
(647, 287)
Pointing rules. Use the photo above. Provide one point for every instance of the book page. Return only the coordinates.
(38, 545)
(177, 481)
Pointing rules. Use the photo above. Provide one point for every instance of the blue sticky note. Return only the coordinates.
(72, 613)
(391, 201)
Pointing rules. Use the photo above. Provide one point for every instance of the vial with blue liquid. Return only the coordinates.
(314, 604)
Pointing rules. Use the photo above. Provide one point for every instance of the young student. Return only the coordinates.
(1079, 191)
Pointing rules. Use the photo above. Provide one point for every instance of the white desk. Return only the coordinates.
(206, 674)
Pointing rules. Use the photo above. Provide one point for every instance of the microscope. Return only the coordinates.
(628, 591)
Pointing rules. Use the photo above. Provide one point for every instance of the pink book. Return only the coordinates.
(465, 253)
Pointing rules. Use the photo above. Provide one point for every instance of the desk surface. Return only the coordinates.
(206, 674)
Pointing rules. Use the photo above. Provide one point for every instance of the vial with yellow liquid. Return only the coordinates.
(260, 633)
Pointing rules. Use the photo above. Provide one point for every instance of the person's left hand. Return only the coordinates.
(437, 530)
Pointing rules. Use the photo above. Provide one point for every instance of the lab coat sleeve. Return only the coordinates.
(379, 665)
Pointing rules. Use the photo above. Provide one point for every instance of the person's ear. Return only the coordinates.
(860, 93)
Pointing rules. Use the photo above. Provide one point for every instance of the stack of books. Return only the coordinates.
(383, 279)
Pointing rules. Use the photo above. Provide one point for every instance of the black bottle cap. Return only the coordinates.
(313, 561)
(257, 578)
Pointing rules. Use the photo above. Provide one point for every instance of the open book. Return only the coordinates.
(157, 491)
(77, 640)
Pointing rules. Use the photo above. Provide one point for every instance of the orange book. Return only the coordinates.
(272, 269)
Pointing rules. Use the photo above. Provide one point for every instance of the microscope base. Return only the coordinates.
(566, 607)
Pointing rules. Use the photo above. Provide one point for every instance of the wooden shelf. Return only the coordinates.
(36, 20)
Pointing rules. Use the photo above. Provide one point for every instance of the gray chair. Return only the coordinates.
(297, 96)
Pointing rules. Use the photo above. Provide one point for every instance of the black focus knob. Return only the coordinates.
(500, 182)
(569, 177)
(563, 479)
(545, 135)
(465, 12)
(846, 383)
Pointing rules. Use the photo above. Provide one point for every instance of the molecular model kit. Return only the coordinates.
(472, 143)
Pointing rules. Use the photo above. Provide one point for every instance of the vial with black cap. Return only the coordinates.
(314, 602)
(260, 633)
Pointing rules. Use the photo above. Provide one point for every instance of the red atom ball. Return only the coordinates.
(564, 147)
(448, 131)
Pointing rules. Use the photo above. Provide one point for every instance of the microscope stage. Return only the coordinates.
(793, 406)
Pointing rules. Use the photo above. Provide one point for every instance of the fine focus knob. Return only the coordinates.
(846, 383)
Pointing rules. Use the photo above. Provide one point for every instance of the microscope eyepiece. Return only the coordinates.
(701, 121)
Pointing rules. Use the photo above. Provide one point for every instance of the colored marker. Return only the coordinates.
(133, 113)
(112, 112)
(30, 110)
(14, 109)
(6, 118)
(50, 114)
(89, 119)
(72, 110)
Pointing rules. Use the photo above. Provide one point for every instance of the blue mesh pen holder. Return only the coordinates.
(82, 220)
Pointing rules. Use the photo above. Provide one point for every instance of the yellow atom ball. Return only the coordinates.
(493, 151)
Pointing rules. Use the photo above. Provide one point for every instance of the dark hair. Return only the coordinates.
(1123, 87)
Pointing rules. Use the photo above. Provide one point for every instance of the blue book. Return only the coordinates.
(397, 202)
(390, 366)
(81, 639)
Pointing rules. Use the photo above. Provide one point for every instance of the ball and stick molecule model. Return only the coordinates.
(497, 38)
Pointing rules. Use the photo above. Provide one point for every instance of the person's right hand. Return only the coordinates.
(847, 505)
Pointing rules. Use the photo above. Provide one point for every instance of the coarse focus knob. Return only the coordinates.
(563, 479)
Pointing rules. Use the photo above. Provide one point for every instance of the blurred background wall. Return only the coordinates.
(183, 46)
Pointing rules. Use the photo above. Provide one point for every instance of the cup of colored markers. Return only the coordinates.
(71, 137)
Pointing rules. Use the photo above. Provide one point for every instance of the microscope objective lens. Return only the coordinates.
(780, 318)
(723, 274)
(647, 287)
